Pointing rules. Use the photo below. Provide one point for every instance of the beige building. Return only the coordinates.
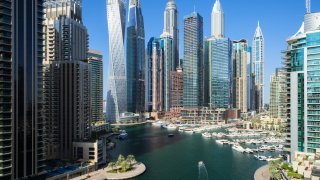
(95, 152)
(278, 94)
(239, 77)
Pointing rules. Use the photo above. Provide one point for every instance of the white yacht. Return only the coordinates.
(206, 135)
(172, 127)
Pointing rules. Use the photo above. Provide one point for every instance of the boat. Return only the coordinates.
(123, 134)
(190, 131)
(222, 141)
(248, 150)
(170, 135)
(238, 148)
(172, 127)
(157, 123)
(206, 135)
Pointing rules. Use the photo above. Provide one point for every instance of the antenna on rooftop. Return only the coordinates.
(308, 6)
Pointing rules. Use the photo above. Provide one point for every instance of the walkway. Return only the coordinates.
(262, 173)
(102, 174)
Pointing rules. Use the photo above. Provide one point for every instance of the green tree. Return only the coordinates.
(131, 159)
(120, 160)
(274, 168)
(112, 165)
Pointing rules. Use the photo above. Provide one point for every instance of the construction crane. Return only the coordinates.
(308, 6)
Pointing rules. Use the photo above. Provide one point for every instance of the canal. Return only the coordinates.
(177, 158)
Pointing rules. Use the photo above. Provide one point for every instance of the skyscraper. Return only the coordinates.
(217, 20)
(250, 81)
(117, 84)
(193, 61)
(258, 60)
(96, 62)
(135, 58)
(301, 61)
(218, 74)
(171, 26)
(239, 71)
(160, 56)
(166, 44)
(67, 76)
(6, 102)
(21, 55)
(217, 61)
(278, 88)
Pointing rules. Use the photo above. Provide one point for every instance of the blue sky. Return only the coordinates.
(279, 19)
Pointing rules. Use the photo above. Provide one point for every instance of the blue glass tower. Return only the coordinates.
(193, 61)
(135, 59)
(218, 60)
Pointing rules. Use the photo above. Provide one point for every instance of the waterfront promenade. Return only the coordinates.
(103, 174)
(262, 173)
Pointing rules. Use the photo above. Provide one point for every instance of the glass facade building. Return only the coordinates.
(117, 83)
(218, 72)
(302, 59)
(258, 61)
(193, 61)
(159, 74)
(171, 27)
(135, 58)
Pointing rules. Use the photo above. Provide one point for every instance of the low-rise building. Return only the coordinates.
(94, 152)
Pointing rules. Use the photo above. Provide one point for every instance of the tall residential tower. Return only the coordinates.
(117, 84)
(171, 26)
(67, 107)
(96, 61)
(135, 59)
(258, 61)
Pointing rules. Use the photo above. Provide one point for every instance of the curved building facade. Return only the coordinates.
(117, 84)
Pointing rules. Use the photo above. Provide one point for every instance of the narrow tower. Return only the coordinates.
(258, 60)
(171, 27)
(217, 20)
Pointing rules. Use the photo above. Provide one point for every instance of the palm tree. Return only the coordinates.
(112, 165)
(131, 159)
(120, 160)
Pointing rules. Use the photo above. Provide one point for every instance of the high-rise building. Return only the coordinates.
(217, 20)
(166, 44)
(193, 61)
(135, 58)
(258, 61)
(96, 61)
(217, 63)
(6, 87)
(239, 75)
(177, 88)
(67, 75)
(218, 74)
(250, 81)
(21, 55)
(302, 66)
(278, 87)
(171, 26)
(117, 83)
(159, 74)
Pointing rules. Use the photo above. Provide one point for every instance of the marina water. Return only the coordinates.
(178, 157)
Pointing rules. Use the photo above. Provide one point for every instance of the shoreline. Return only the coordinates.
(262, 173)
